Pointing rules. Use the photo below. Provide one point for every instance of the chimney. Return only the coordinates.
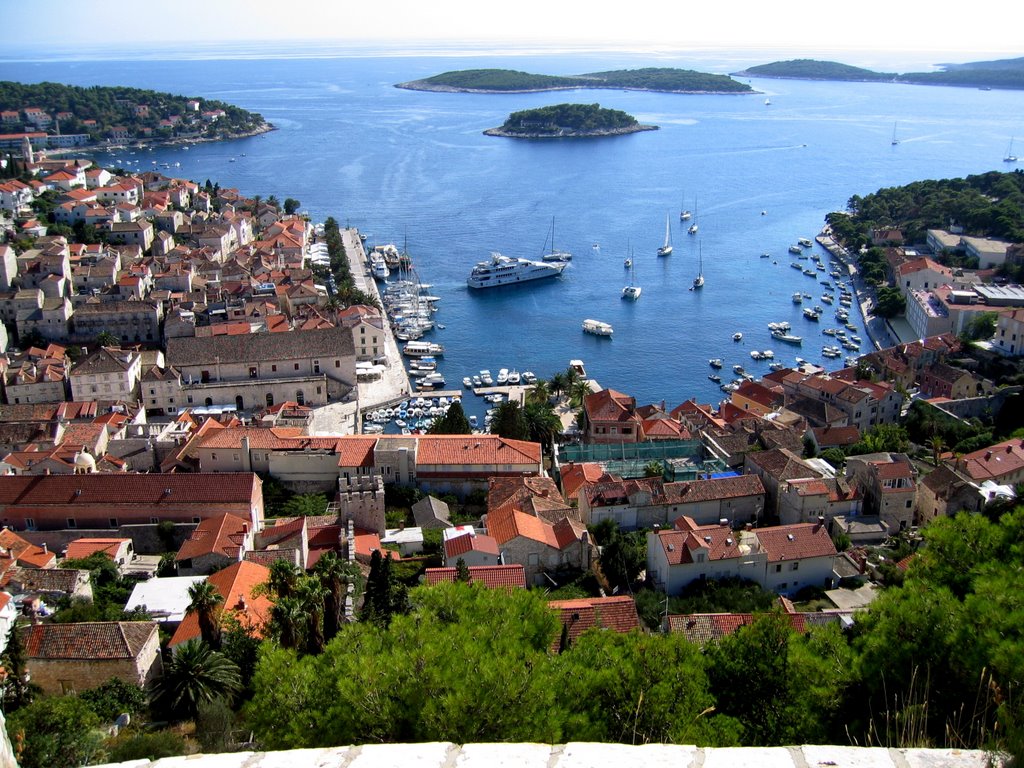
(45, 550)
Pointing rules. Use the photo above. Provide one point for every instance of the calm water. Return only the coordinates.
(403, 165)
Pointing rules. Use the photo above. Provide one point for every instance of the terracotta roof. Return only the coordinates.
(355, 451)
(617, 614)
(235, 584)
(537, 496)
(475, 450)
(470, 542)
(80, 548)
(695, 491)
(827, 437)
(88, 641)
(221, 487)
(796, 542)
(222, 535)
(56, 580)
(491, 576)
(326, 343)
(609, 405)
(575, 476)
(24, 552)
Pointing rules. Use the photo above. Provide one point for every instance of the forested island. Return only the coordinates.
(1006, 73)
(568, 121)
(75, 116)
(662, 79)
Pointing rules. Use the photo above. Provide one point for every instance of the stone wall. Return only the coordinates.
(145, 537)
(588, 755)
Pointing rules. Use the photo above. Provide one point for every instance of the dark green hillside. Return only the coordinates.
(810, 69)
(121, 106)
(573, 117)
(648, 79)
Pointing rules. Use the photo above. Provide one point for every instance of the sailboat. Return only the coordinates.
(684, 215)
(767, 102)
(1010, 157)
(698, 281)
(554, 255)
(895, 141)
(666, 249)
(693, 227)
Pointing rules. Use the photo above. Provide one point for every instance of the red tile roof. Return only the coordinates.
(470, 542)
(475, 450)
(617, 614)
(80, 548)
(88, 641)
(221, 487)
(491, 576)
(24, 552)
(796, 542)
(701, 628)
(221, 534)
(235, 584)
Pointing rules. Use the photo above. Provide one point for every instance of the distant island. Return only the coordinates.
(661, 79)
(564, 121)
(1006, 73)
(57, 116)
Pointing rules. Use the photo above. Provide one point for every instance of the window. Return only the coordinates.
(794, 566)
(533, 558)
(113, 522)
(273, 368)
(196, 520)
(296, 366)
(909, 503)
(30, 523)
(72, 523)
(337, 363)
(778, 568)
(270, 399)
(213, 456)
(252, 371)
(154, 520)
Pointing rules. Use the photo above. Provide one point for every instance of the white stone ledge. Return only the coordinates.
(578, 755)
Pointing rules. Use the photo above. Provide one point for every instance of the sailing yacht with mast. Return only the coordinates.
(666, 249)
(684, 214)
(693, 227)
(631, 291)
(698, 281)
(1010, 157)
(554, 255)
(895, 141)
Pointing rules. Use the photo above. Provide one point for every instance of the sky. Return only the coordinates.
(952, 29)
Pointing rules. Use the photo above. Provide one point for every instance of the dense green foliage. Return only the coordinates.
(649, 78)
(114, 106)
(55, 731)
(194, 675)
(987, 205)
(811, 69)
(1006, 73)
(567, 118)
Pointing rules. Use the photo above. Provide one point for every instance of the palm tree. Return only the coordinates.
(287, 619)
(559, 383)
(195, 675)
(938, 446)
(204, 602)
(335, 575)
(578, 392)
(283, 576)
(312, 594)
(539, 393)
(543, 423)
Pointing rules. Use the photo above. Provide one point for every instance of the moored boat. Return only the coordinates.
(597, 327)
(507, 270)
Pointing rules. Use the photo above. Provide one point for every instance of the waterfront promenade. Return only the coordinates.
(393, 385)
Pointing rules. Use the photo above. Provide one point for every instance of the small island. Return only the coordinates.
(661, 79)
(568, 121)
(1003, 73)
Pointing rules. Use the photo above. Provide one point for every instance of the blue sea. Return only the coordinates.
(415, 168)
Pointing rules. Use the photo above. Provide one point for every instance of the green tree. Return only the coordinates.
(284, 577)
(114, 697)
(623, 555)
(194, 675)
(288, 621)
(205, 603)
(144, 745)
(454, 422)
(336, 575)
(385, 596)
(654, 469)
(510, 422)
(56, 731)
(461, 570)
(15, 689)
(542, 423)
(313, 593)
(291, 205)
(980, 327)
(305, 505)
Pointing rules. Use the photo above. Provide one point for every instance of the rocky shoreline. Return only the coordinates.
(422, 85)
(569, 134)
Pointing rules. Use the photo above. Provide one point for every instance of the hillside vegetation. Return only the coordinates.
(568, 120)
(1006, 73)
(651, 79)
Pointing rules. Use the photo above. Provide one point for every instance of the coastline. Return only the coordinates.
(422, 85)
(563, 134)
(177, 141)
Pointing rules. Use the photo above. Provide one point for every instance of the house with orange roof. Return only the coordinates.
(775, 467)
(535, 495)
(611, 417)
(242, 601)
(611, 614)
(120, 551)
(576, 475)
(215, 543)
(1001, 463)
(472, 548)
(65, 658)
(539, 546)
(805, 500)
(888, 482)
(491, 576)
(754, 397)
(704, 628)
(19, 552)
(784, 558)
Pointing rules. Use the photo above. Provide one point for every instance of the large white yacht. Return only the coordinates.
(506, 270)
